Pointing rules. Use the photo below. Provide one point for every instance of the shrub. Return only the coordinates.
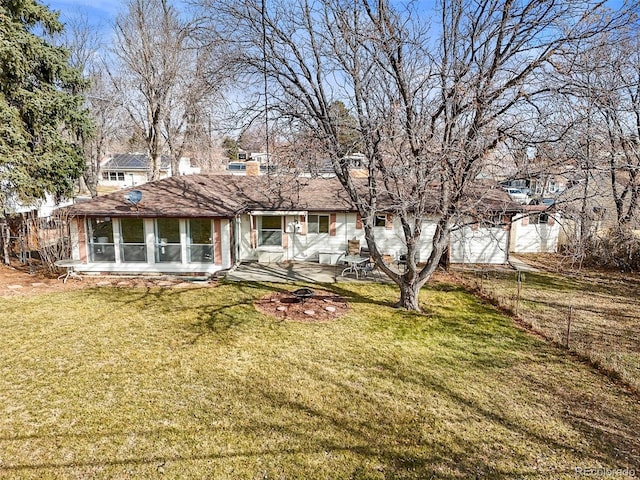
(618, 248)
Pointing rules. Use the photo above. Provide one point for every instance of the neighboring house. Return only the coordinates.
(44, 207)
(542, 185)
(202, 224)
(130, 169)
(536, 230)
(590, 205)
(249, 167)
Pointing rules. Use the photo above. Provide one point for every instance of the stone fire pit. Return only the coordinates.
(303, 304)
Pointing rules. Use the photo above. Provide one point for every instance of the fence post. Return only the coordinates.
(519, 276)
(569, 324)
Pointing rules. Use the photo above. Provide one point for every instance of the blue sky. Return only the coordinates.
(97, 11)
(101, 13)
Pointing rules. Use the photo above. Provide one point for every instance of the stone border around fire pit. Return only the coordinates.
(321, 307)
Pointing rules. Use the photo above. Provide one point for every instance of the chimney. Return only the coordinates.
(253, 168)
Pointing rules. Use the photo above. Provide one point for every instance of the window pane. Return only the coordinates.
(313, 224)
(381, 221)
(271, 223)
(323, 224)
(168, 230)
(101, 247)
(271, 230)
(101, 230)
(103, 253)
(132, 230)
(201, 253)
(168, 253)
(134, 253)
(271, 237)
(200, 231)
(168, 248)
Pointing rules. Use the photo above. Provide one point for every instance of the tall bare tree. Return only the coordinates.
(167, 78)
(151, 41)
(617, 100)
(599, 84)
(430, 104)
(85, 45)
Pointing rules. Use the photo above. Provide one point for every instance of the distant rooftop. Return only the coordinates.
(133, 161)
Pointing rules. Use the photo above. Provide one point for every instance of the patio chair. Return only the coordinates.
(370, 269)
(402, 261)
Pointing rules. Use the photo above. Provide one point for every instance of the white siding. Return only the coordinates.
(45, 207)
(537, 238)
(307, 247)
(482, 245)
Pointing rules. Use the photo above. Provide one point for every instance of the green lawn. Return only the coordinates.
(194, 383)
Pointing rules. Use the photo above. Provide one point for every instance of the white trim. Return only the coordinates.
(276, 213)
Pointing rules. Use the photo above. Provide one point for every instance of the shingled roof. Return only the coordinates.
(220, 196)
(227, 195)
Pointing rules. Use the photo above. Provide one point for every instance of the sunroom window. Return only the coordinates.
(101, 247)
(168, 248)
(200, 241)
(132, 240)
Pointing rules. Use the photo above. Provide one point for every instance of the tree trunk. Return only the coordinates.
(156, 163)
(6, 238)
(409, 292)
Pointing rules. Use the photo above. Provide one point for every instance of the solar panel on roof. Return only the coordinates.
(132, 161)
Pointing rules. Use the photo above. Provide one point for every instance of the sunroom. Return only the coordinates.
(140, 245)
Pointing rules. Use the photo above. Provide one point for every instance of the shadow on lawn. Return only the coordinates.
(412, 444)
(384, 446)
(222, 318)
(403, 438)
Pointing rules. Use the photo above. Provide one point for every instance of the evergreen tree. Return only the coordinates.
(41, 109)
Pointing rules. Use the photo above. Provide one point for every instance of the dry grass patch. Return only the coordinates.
(599, 310)
(132, 383)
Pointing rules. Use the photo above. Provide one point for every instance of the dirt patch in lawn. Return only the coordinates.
(322, 306)
(15, 280)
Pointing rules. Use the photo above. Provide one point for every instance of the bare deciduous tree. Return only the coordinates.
(105, 108)
(430, 105)
(617, 100)
(599, 84)
(151, 46)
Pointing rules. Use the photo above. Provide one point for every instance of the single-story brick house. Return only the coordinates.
(206, 223)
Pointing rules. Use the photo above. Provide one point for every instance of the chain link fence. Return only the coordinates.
(593, 315)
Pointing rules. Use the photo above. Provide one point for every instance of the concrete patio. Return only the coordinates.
(294, 272)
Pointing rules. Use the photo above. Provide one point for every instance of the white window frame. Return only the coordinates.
(123, 244)
(191, 246)
(261, 230)
(313, 223)
(380, 221)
